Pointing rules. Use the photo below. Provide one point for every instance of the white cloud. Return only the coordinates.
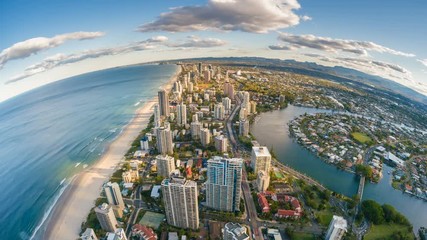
(151, 43)
(34, 45)
(259, 16)
(196, 42)
(423, 61)
(336, 45)
(306, 18)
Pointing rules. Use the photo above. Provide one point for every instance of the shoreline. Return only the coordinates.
(78, 199)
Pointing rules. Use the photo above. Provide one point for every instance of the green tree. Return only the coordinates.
(373, 211)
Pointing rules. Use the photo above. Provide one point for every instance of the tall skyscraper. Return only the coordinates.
(196, 128)
(182, 114)
(253, 106)
(221, 143)
(164, 141)
(165, 165)
(106, 218)
(223, 187)
(181, 203)
(157, 118)
(337, 228)
(163, 103)
(227, 104)
(114, 197)
(246, 102)
(242, 113)
(219, 111)
(262, 181)
(244, 128)
(205, 137)
(228, 89)
(207, 75)
(190, 87)
(200, 69)
(234, 231)
(260, 159)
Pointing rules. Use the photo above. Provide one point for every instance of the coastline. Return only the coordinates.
(78, 198)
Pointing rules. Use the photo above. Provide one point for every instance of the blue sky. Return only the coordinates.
(45, 41)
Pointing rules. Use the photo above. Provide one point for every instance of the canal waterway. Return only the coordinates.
(271, 129)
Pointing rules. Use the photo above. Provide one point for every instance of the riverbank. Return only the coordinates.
(78, 199)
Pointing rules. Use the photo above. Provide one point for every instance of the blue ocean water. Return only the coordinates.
(50, 133)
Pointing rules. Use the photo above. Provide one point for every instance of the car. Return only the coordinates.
(249, 219)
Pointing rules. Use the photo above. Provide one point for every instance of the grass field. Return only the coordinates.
(302, 236)
(385, 231)
(324, 217)
(361, 137)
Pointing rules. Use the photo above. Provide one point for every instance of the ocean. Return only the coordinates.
(49, 134)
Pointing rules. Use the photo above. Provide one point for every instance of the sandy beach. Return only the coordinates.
(78, 199)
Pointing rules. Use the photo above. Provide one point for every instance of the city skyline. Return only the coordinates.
(64, 39)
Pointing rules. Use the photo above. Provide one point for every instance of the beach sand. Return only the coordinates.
(78, 199)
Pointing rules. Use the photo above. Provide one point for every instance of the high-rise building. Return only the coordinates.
(244, 128)
(263, 181)
(337, 228)
(246, 102)
(223, 186)
(227, 104)
(182, 114)
(157, 118)
(89, 234)
(253, 106)
(164, 141)
(219, 111)
(260, 159)
(229, 89)
(114, 197)
(200, 68)
(221, 143)
(207, 75)
(119, 234)
(190, 87)
(234, 231)
(163, 103)
(144, 143)
(165, 165)
(205, 137)
(196, 128)
(106, 218)
(242, 113)
(181, 203)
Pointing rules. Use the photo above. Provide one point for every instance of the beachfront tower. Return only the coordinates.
(157, 118)
(223, 187)
(181, 203)
(164, 103)
(260, 159)
(165, 165)
(182, 114)
(164, 141)
(337, 228)
(106, 218)
(114, 197)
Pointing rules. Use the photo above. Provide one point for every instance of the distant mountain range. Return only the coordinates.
(337, 73)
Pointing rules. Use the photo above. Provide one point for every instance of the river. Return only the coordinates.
(271, 130)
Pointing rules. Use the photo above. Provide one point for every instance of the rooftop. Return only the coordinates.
(261, 151)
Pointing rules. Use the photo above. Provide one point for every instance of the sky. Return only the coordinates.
(46, 41)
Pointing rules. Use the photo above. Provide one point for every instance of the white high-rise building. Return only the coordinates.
(243, 113)
(106, 218)
(165, 165)
(337, 228)
(114, 197)
(205, 137)
(196, 128)
(260, 159)
(163, 103)
(227, 104)
(164, 141)
(234, 231)
(263, 181)
(157, 118)
(244, 128)
(119, 234)
(221, 143)
(144, 143)
(182, 114)
(223, 186)
(89, 234)
(181, 203)
(219, 111)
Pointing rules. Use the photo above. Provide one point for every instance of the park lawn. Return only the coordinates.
(302, 236)
(361, 137)
(385, 231)
(324, 217)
